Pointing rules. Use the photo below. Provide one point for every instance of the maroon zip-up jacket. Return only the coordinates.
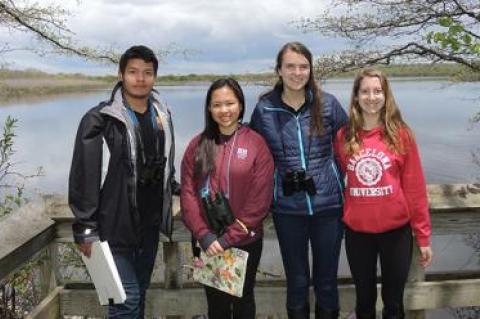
(246, 158)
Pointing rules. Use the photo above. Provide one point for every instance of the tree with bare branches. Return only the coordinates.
(47, 23)
(386, 31)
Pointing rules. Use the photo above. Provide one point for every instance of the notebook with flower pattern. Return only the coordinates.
(225, 272)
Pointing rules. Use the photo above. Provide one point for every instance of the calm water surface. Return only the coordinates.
(437, 111)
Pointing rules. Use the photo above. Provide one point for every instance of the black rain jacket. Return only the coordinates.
(102, 182)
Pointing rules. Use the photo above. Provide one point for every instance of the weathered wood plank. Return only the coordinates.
(23, 234)
(435, 295)
(454, 208)
(443, 223)
(271, 300)
(173, 268)
(49, 308)
(56, 206)
(453, 196)
(48, 271)
(416, 274)
(442, 197)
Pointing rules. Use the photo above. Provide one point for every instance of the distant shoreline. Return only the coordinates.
(20, 89)
(17, 85)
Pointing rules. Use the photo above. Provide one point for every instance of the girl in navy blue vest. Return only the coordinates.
(299, 121)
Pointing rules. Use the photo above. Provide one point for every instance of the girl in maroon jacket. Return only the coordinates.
(231, 160)
(385, 195)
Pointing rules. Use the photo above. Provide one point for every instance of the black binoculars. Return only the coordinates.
(151, 172)
(219, 213)
(298, 181)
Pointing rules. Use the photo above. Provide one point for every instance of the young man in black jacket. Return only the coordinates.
(122, 175)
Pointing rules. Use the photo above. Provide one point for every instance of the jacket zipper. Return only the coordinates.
(275, 186)
(302, 151)
(337, 174)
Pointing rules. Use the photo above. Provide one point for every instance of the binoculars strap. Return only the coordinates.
(205, 190)
(244, 227)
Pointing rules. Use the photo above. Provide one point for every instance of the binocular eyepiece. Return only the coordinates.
(219, 213)
(297, 181)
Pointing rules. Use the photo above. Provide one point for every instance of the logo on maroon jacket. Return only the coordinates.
(242, 153)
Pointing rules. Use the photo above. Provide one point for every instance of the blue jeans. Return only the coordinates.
(135, 269)
(324, 235)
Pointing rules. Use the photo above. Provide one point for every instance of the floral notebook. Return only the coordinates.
(225, 272)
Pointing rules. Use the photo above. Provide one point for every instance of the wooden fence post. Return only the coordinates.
(48, 270)
(173, 269)
(416, 274)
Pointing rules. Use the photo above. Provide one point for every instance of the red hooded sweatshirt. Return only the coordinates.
(384, 189)
(246, 159)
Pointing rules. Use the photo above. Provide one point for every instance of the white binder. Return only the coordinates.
(104, 274)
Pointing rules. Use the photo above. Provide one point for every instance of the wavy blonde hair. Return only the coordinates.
(390, 117)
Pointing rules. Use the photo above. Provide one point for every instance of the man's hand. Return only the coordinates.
(85, 249)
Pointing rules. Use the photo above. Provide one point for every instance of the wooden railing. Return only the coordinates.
(46, 226)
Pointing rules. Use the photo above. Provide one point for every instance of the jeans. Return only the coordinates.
(224, 306)
(395, 251)
(135, 269)
(324, 235)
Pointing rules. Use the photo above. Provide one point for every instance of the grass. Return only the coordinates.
(16, 84)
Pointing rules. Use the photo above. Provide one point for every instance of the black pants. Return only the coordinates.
(395, 251)
(224, 306)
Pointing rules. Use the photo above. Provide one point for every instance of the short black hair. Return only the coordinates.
(138, 52)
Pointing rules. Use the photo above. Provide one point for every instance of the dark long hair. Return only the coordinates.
(312, 90)
(206, 150)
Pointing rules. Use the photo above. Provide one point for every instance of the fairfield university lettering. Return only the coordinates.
(369, 165)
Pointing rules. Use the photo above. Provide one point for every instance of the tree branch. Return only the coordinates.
(352, 60)
(434, 30)
(58, 42)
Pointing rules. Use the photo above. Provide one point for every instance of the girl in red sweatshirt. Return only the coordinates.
(233, 160)
(385, 195)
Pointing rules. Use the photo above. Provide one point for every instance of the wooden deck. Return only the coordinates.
(46, 227)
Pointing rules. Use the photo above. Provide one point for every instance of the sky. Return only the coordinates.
(234, 36)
